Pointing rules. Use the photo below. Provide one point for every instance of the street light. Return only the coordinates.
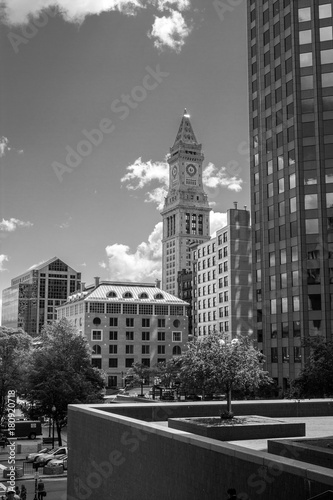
(53, 415)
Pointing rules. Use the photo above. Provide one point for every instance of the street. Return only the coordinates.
(56, 488)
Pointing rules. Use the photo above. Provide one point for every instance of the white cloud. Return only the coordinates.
(143, 174)
(217, 221)
(170, 31)
(20, 11)
(66, 224)
(176, 4)
(157, 196)
(36, 265)
(3, 259)
(12, 224)
(145, 264)
(3, 146)
(213, 177)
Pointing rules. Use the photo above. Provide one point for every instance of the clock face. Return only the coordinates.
(191, 170)
(174, 171)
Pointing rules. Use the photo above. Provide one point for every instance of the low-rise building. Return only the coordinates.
(127, 323)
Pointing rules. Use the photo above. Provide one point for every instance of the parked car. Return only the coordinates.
(44, 458)
(31, 457)
(61, 460)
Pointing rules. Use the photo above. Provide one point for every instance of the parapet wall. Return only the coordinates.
(124, 458)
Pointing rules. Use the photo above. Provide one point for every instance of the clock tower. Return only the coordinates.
(186, 209)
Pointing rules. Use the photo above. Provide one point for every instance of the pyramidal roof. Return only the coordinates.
(185, 133)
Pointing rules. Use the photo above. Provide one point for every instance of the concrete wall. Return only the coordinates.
(276, 408)
(303, 450)
(123, 458)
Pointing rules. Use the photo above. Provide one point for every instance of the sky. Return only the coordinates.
(92, 95)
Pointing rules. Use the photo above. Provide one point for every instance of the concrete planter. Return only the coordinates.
(18, 472)
(239, 428)
(53, 471)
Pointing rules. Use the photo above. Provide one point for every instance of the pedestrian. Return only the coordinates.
(11, 495)
(232, 494)
(41, 490)
(23, 492)
(17, 491)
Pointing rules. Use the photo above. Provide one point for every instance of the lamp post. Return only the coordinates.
(36, 483)
(53, 416)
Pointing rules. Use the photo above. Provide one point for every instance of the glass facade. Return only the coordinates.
(31, 301)
(291, 137)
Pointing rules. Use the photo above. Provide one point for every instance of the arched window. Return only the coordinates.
(176, 351)
(112, 294)
(96, 349)
(159, 296)
(97, 321)
(128, 295)
(143, 295)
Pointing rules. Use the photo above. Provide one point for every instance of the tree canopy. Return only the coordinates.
(61, 373)
(137, 375)
(212, 364)
(15, 347)
(316, 378)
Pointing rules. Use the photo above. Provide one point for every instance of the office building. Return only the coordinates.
(222, 279)
(31, 300)
(127, 323)
(186, 209)
(291, 136)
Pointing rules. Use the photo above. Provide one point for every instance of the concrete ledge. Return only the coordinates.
(123, 440)
(265, 428)
(305, 450)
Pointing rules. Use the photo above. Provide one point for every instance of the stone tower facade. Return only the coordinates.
(186, 209)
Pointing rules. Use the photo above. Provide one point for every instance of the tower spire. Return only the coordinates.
(185, 133)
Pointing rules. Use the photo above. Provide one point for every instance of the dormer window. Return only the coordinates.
(143, 295)
(159, 296)
(128, 295)
(112, 294)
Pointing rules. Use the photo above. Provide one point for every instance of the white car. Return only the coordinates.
(31, 457)
(43, 459)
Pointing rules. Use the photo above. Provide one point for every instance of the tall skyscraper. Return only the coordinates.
(186, 209)
(291, 134)
(31, 300)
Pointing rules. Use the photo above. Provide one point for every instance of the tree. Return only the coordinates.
(138, 374)
(61, 373)
(15, 347)
(168, 372)
(212, 363)
(316, 378)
